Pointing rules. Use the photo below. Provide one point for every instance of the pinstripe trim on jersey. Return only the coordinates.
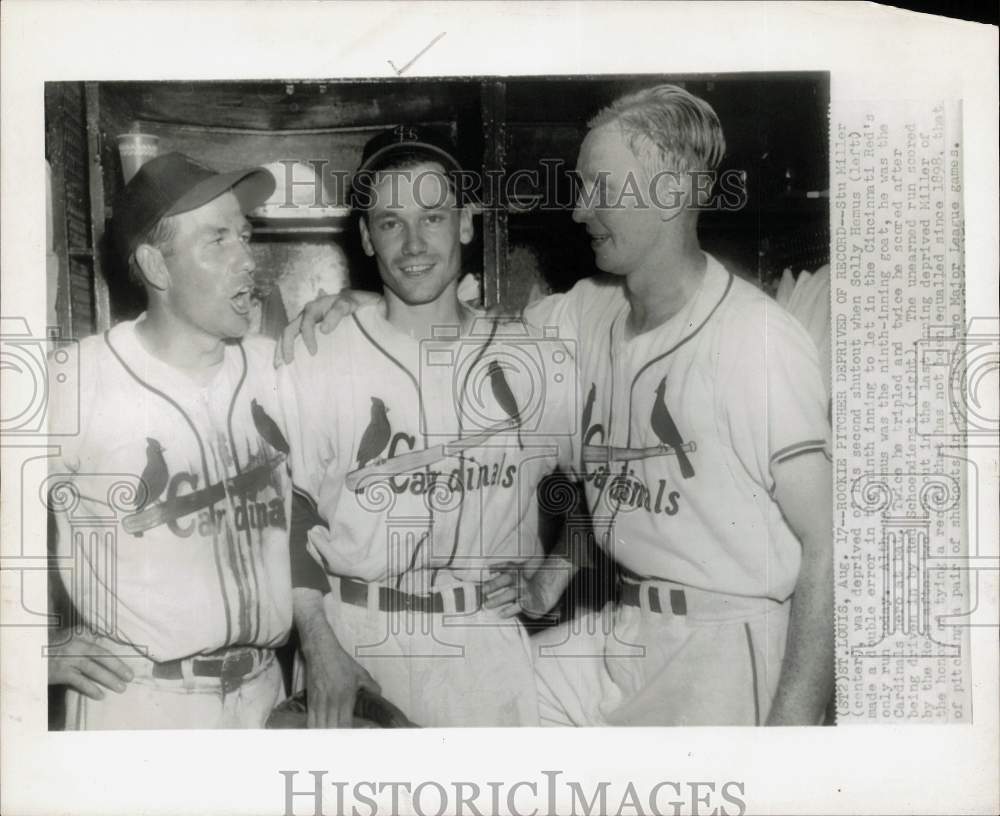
(671, 350)
(204, 466)
(423, 421)
(611, 410)
(460, 411)
(248, 607)
(611, 366)
(608, 537)
(753, 675)
(401, 367)
(413, 561)
(791, 451)
(232, 554)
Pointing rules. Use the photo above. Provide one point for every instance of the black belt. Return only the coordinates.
(231, 666)
(630, 597)
(355, 593)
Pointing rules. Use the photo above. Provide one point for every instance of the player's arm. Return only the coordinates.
(535, 588)
(803, 488)
(75, 659)
(333, 677)
(326, 311)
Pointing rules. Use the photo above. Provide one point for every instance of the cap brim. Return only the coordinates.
(252, 187)
(433, 152)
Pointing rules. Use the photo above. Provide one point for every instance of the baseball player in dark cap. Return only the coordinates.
(413, 474)
(195, 595)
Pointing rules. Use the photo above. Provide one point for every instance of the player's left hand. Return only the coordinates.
(511, 592)
(85, 666)
(326, 311)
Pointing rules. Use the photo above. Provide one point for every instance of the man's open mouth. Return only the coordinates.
(241, 301)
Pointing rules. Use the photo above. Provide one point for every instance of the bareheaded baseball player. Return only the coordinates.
(187, 591)
(703, 453)
(703, 450)
(416, 457)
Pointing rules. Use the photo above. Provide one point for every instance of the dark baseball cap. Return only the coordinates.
(409, 141)
(174, 183)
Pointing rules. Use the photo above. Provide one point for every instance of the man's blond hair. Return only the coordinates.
(668, 129)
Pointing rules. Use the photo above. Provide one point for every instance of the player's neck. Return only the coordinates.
(659, 290)
(179, 345)
(419, 320)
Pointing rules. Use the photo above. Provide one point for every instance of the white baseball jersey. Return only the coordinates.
(372, 397)
(372, 394)
(201, 558)
(729, 386)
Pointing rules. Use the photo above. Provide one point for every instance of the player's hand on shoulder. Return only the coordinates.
(326, 311)
(85, 666)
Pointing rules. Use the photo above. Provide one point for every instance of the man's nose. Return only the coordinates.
(413, 241)
(582, 211)
(246, 261)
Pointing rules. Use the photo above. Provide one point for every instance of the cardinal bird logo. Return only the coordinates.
(376, 435)
(268, 428)
(155, 474)
(665, 428)
(588, 414)
(504, 396)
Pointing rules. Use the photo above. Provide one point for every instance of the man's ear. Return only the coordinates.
(153, 267)
(670, 194)
(465, 229)
(366, 239)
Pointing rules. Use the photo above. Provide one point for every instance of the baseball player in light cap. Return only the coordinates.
(416, 463)
(195, 594)
(704, 454)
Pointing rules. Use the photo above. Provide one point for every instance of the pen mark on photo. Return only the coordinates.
(426, 48)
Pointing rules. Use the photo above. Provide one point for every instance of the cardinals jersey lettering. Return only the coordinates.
(681, 425)
(373, 400)
(200, 559)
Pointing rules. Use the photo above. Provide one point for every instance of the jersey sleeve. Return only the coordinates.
(74, 373)
(554, 320)
(774, 398)
(75, 479)
(303, 389)
(69, 393)
(311, 420)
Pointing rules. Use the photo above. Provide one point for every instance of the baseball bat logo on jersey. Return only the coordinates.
(181, 496)
(410, 471)
(662, 424)
(627, 489)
